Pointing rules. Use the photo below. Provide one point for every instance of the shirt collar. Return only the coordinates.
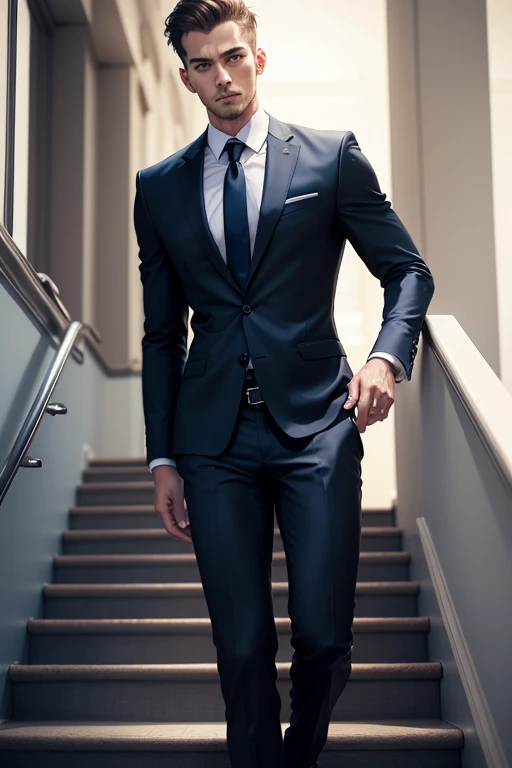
(254, 134)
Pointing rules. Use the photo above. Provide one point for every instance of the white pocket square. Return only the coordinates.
(301, 197)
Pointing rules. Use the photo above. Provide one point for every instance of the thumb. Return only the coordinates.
(353, 393)
(178, 508)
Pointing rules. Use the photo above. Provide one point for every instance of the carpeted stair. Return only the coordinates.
(123, 669)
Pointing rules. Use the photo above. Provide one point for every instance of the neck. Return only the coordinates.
(232, 127)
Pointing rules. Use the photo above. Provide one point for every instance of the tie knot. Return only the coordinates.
(234, 148)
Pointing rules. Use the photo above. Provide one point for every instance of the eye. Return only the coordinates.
(235, 56)
(201, 65)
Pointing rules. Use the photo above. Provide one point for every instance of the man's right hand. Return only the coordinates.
(170, 502)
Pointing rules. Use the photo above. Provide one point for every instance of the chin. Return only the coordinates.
(231, 112)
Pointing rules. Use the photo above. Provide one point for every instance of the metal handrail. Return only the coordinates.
(40, 406)
(22, 280)
(38, 294)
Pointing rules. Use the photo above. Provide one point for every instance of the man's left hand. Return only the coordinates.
(373, 391)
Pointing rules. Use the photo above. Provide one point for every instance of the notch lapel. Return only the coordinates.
(190, 178)
(279, 169)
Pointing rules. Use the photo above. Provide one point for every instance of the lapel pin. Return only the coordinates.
(286, 151)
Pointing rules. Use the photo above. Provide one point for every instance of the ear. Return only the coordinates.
(185, 80)
(261, 60)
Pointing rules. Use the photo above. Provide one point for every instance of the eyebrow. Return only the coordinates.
(226, 53)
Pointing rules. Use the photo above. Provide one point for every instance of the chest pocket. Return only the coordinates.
(306, 204)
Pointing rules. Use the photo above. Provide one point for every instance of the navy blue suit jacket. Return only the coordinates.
(284, 317)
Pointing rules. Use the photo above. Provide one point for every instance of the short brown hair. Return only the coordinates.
(203, 16)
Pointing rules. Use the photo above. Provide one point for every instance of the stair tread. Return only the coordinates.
(184, 558)
(196, 588)
(91, 735)
(112, 509)
(204, 671)
(99, 461)
(187, 625)
(108, 469)
(118, 534)
(148, 485)
(117, 485)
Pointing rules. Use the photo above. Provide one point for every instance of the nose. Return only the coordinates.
(222, 77)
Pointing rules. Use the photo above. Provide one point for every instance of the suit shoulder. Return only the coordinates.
(331, 139)
(165, 166)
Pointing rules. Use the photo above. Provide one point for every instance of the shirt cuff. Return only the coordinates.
(157, 462)
(398, 366)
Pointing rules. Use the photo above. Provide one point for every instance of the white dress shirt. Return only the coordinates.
(253, 159)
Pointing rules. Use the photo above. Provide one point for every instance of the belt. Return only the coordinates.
(251, 392)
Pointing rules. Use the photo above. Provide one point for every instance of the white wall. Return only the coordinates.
(499, 35)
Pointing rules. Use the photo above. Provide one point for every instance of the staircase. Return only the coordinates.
(123, 668)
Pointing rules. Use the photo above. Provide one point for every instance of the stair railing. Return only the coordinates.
(41, 405)
(39, 296)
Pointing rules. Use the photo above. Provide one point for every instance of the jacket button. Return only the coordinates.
(247, 309)
(243, 359)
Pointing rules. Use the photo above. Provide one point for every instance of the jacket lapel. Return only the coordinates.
(282, 156)
(281, 161)
(190, 178)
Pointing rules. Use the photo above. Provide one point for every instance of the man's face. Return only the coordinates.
(222, 69)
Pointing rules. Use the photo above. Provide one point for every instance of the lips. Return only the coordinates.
(226, 96)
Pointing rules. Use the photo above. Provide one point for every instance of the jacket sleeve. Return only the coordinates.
(383, 243)
(164, 344)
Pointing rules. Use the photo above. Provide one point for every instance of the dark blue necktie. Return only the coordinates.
(236, 224)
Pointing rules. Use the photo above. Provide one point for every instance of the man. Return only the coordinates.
(247, 226)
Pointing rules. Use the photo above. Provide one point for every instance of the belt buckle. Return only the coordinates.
(252, 402)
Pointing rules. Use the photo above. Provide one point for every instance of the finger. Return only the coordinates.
(376, 408)
(365, 398)
(353, 393)
(183, 534)
(178, 507)
(380, 407)
(182, 523)
(172, 528)
(179, 533)
(387, 408)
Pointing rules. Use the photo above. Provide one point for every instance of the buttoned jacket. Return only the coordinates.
(284, 317)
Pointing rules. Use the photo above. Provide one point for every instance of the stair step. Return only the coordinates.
(118, 461)
(59, 744)
(126, 590)
(136, 541)
(186, 600)
(132, 569)
(116, 474)
(191, 692)
(139, 492)
(187, 641)
(127, 494)
(118, 516)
